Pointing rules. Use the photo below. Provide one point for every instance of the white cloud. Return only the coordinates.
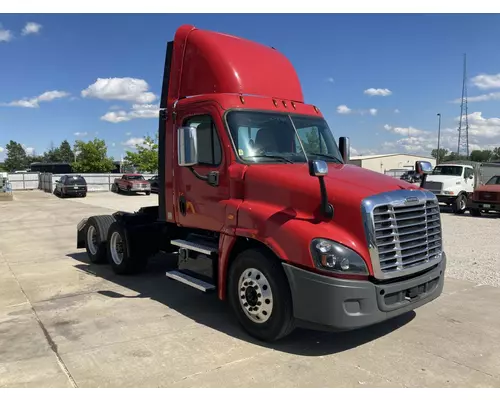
(1, 149)
(81, 134)
(5, 35)
(125, 89)
(482, 127)
(377, 92)
(138, 111)
(404, 131)
(343, 109)
(133, 142)
(34, 102)
(28, 150)
(485, 81)
(396, 111)
(31, 28)
(482, 97)
(330, 79)
(373, 111)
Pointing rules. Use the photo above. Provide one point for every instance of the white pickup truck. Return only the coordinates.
(454, 183)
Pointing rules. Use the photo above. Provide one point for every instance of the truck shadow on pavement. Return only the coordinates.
(207, 310)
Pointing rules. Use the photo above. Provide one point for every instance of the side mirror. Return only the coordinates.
(345, 148)
(318, 168)
(58, 181)
(187, 146)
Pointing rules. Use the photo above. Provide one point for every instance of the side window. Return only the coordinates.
(209, 147)
(63, 180)
(468, 172)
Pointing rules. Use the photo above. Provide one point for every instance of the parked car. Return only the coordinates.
(411, 176)
(71, 185)
(154, 182)
(132, 183)
(486, 197)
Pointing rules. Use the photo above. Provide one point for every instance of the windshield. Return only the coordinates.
(494, 180)
(263, 137)
(451, 170)
(135, 178)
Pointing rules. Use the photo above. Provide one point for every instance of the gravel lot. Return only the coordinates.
(67, 323)
(473, 247)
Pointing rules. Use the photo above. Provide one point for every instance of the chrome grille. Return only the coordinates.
(404, 232)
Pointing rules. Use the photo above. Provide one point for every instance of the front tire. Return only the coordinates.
(460, 204)
(260, 296)
(118, 251)
(475, 212)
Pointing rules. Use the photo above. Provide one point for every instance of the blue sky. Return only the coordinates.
(412, 63)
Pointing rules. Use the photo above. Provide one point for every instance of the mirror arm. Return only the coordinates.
(326, 208)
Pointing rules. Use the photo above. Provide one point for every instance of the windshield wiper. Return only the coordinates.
(327, 156)
(275, 156)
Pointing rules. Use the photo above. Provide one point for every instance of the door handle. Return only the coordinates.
(213, 178)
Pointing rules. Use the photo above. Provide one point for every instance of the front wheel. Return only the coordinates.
(460, 204)
(475, 212)
(260, 296)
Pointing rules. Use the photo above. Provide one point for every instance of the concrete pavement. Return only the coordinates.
(65, 323)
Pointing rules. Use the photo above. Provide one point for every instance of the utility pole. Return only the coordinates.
(439, 136)
(463, 126)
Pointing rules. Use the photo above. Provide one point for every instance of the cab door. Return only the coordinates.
(469, 182)
(201, 191)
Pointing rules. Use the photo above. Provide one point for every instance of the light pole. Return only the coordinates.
(439, 136)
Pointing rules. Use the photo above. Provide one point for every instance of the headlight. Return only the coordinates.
(448, 192)
(334, 257)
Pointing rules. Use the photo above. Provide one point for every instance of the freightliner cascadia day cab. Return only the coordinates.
(259, 204)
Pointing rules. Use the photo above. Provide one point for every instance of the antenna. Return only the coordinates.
(463, 126)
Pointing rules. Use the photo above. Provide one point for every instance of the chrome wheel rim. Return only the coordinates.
(92, 239)
(462, 203)
(256, 297)
(116, 247)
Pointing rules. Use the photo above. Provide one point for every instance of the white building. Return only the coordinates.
(390, 164)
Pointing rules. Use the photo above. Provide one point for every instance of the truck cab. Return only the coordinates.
(258, 201)
(453, 185)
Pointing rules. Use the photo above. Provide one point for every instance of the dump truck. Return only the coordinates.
(259, 204)
(454, 182)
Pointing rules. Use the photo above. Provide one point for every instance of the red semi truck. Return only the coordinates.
(261, 206)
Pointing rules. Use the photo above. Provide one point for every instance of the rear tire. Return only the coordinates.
(460, 204)
(260, 296)
(118, 253)
(147, 193)
(95, 237)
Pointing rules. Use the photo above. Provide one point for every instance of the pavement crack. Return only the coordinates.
(49, 339)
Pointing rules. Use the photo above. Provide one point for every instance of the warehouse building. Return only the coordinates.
(390, 164)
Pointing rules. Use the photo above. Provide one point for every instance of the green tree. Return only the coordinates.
(92, 157)
(65, 154)
(481, 155)
(145, 158)
(495, 156)
(442, 154)
(16, 157)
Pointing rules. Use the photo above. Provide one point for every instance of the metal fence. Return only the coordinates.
(95, 182)
(24, 180)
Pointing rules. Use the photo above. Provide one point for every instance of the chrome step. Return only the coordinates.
(198, 247)
(191, 281)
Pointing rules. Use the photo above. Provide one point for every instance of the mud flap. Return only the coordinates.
(80, 234)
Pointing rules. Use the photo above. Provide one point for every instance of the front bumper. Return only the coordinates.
(339, 304)
(445, 198)
(140, 189)
(484, 205)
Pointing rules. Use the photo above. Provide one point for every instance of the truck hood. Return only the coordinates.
(446, 180)
(289, 188)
